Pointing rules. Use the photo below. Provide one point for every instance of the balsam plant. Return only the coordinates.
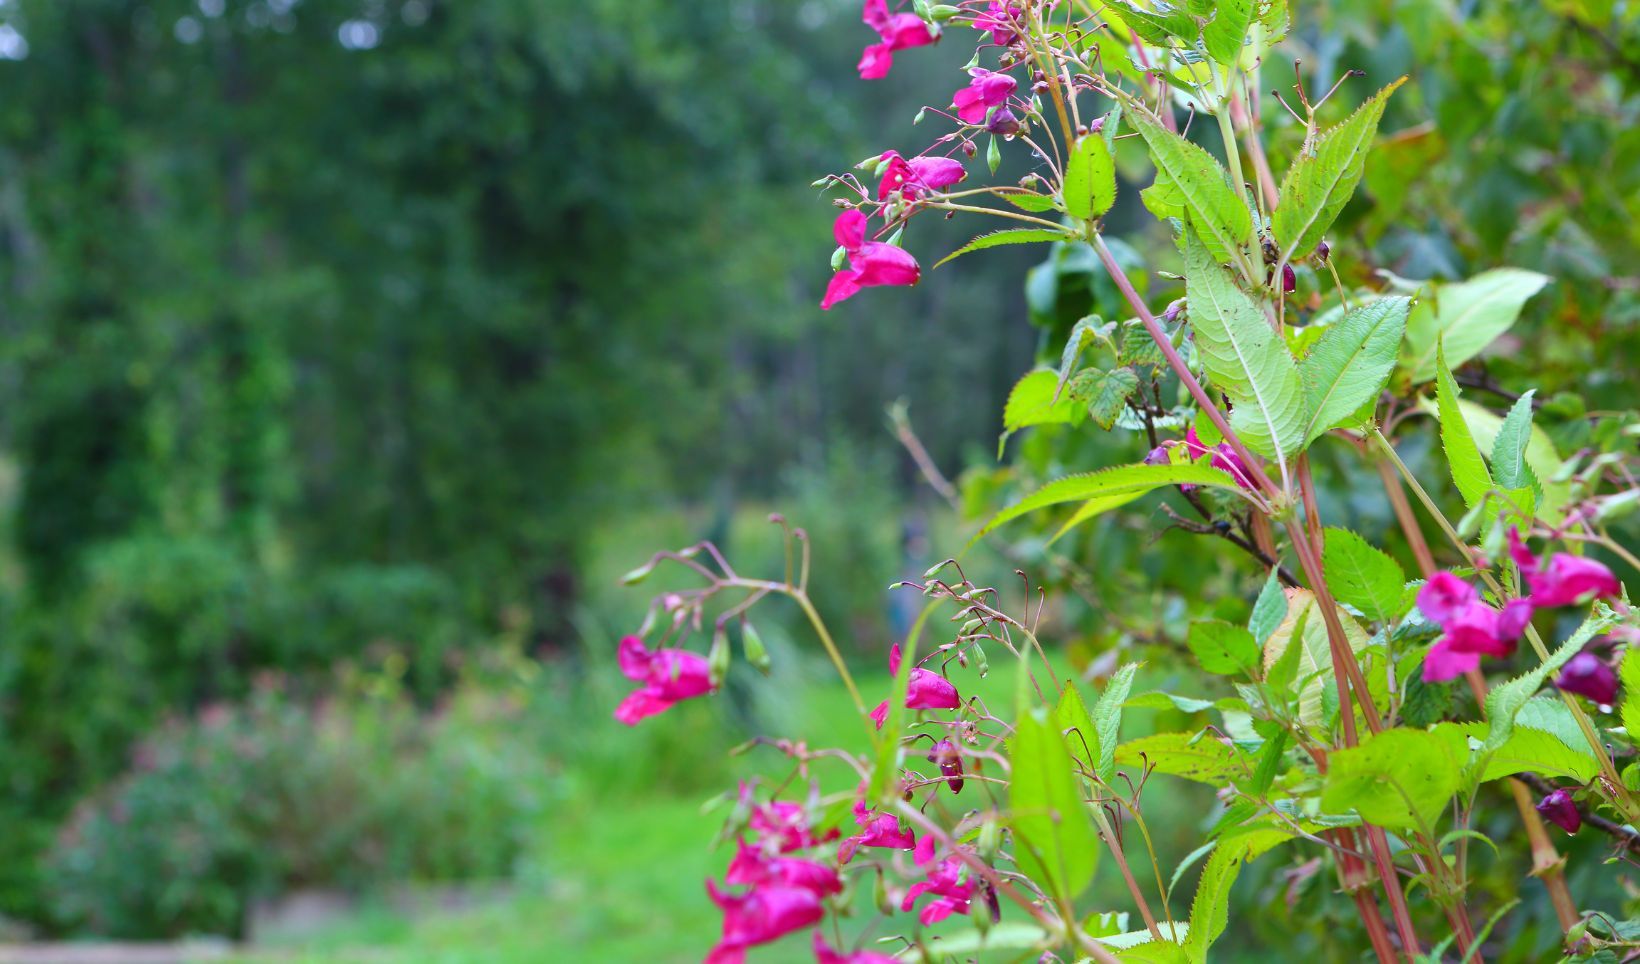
(1340, 739)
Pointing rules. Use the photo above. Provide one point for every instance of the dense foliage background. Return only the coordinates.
(376, 337)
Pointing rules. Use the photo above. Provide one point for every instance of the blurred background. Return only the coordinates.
(350, 350)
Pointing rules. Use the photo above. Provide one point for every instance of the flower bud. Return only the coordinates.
(941, 12)
(1323, 251)
(1589, 676)
(751, 646)
(1003, 123)
(839, 258)
(717, 660)
(980, 663)
(1289, 279)
(1558, 809)
(949, 759)
(639, 574)
(870, 162)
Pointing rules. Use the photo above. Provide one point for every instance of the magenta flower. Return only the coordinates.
(998, 20)
(871, 263)
(1470, 628)
(949, 758)
(751, 867)
(988, 89)
(667, 675)
(1588, 675)
(1443, 596)
(823, 954)
(1558, 809)
(1224, 458)
(878, 830)
(759, 916)
(898, 31)
(918, 177)
(948, 881)
(927, 690)
(1442, 662)
(1289, 279)
(785, 824)
(1566, 580)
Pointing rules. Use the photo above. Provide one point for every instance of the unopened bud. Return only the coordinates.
(839, 258)
(941, 12)
(717, 660)
(639, 574)
(1289, 279)
(948, 758)
(990, 840)
(980, 664)
(1003, 123)
(1323, 251)
(751, 646)
(882, 898)
(868, 162)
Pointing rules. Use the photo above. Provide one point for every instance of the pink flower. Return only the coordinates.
(879, 830)
(1224, 459)
(1443, 662)
(1443, 596)
(759, 916)
(1470, 628)
(926, 690)
(870, 262)
(988, 89)
(917, 177)
(784, 824)
(1588, 675)
(751, 867)
(948, 880)
(823, 954)
(1566, 580)
(949, 758)
(998, 21)
(898, 31)
(667, 675)
(1559, 810)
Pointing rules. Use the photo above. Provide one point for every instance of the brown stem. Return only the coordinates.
(1403, 515)
(1547, 864)
(1115, 847)
(1376, 932)
(1255, 151)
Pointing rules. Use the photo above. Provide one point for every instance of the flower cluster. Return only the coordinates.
(1471, 628)
(895, 31)
(1223, 457)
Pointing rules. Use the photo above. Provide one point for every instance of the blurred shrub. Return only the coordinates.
(246, 801)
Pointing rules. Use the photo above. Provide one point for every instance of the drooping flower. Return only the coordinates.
(948, 880)
(1558, 809)
(918, 177)
(986, 90)
(898, 31)
(760, 915)
(1224, 458)
(823, 954)
(949, 759)
(1470, 628)
(998, 20)
(1003, 123)
(871, 263)
(782, 823)
(1588, 675)
(667, 675)
(926, 690)
(1289, 279)
(1566, 580)
(1443, 596)
(751, 867)
(877, 830)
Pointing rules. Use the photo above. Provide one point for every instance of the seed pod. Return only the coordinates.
(751, 646)
(717, 660)
(949, 759)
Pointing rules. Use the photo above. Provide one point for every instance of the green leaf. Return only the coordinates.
(1110, 488)
(1268, 610)
(1246, 359)
(1054, 839)
(1006, 236)
(1628, 672)
(1269, 763)
(1155, 28)
(1072, 714)
(1398, 778)
(1313, 671)
(1105, 393)
(1363, 575)
(1462, 455)
(1031, 201)
(1541, 457)
(1350, 363)
(1073, 347)
(1090, 179)
(1509, 467)
(1215, 206)
(1203, 760)
(1210, 908)
(1534, 751)
(1107, 717)
(1318, 185)
(1034, 401)
(1223, 648)
(1003, 936)
(1226, 34)
(1466, 316)
(1506, 700)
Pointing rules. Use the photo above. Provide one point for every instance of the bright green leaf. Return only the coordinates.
(1462, 455)
(1226, 34)
(1466, 317)
(1507, 699)
(1112, 487)
(1629, 672)
(1350, 363)
(1509, 467)
(1203, 760)
(1006, 236)
(1090, 179)
(1107, 717)
(1223, 648)
(1105, 393)
(1399, 778)
(1054, 840)
(1268, 610)
(1313, 671)
(1215, 206)
(1363, 575)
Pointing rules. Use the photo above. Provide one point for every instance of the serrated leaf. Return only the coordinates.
(1350, 363)
(1506, 700)
(1245, 358)
(1362, 575)
(1073, 348)
(1006, 236)
(1112, 487)
(1269, 763)
(1534, 751)
(1105, 393)
(1401, 779)
(1034, 401)
(1155, 28)
(1107, 717)
(1031, 201)
(1226, 34)
(1205, 760)
(1071, 715)
(1223, 648)
(1210, 908)
(1268, 610)
(1318, 185)
(1313, 672)
(1215, 206)
(1054, 839)
(1628, 672)
(1463, 457)
(1541, 457)
(1465, 317)
(1090, 179)
(1509, 467)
